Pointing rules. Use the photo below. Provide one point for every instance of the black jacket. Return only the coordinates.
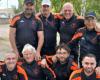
(88, 40)
(36, 72)
(62, 71)
(17, 74)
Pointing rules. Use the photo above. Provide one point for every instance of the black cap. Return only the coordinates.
(28, 1)
(90, 15)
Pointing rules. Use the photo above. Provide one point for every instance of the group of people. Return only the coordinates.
(35, 54)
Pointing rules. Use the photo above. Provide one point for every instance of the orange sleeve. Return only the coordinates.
(98, 33)
(58, 16)
(77, 35)
(1, 64)
(74, 73)
(80, 17)
(47, 66)
(14, 20)
(53, 73)
(74, 66)
(98, 76)
(22, 71)
(78, 78)
(49, 59)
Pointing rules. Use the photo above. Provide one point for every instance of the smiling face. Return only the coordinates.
(62, 54)
(45, 9)
(29, 8)
(10, 61)
(90, 23)
(67, 10)
(28, 56)
(89, 64)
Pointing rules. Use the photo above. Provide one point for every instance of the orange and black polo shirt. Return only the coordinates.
(67, 28)
(62, 71)
(17, 74)
(26, 30)
(36, 72)
(80, 75)
(50, 33)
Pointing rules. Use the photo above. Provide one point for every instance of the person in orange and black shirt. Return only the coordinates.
(26, 28)
(88, 70)
(87, 38)
(50, 28)
(62, 62)
(68, 23)
(9, 70)
(33, 68)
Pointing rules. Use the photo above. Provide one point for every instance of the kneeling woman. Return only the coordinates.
(33, 68)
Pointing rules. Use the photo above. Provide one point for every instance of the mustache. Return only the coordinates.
(89, 69)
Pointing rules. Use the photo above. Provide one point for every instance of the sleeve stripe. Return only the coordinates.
(77, 35)
(75, 73)
(51, 71)
(22, 71)
(13, 21)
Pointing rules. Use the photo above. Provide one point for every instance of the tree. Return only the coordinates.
(91, 5)
(20, 6)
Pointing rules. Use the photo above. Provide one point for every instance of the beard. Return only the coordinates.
(62, 60)
(29, 11)
(88, 70)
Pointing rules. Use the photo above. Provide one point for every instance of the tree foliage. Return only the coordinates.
(20, 6)
(91, 5)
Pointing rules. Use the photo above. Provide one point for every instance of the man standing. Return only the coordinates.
(88, 70)
(50, 28)
(68, 23)
(26, 28)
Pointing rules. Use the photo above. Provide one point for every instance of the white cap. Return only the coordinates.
(46, 2)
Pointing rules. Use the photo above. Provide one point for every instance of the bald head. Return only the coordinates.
(10, 60)
(67, 10)
(68, 4)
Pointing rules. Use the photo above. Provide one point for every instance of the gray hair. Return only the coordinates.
(29, 47)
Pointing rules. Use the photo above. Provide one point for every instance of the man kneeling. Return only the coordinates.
(88, 70)
(9, 70)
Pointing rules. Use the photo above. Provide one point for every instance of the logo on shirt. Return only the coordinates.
(3, 74)
(83, 38)
(63, 23)
(22, 21)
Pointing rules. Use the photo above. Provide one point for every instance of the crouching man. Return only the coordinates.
(9, 70)
(88, 70)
